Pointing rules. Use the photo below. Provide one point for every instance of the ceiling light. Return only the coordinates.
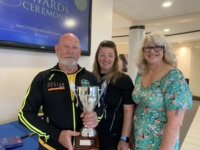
(167, 4)
(166, 30)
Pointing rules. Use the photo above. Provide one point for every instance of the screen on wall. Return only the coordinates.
(38, 24)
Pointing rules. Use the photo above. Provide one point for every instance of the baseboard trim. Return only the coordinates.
(196, 98)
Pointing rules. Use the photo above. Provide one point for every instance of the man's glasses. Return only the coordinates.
(156, 48)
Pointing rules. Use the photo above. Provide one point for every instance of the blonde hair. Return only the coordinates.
(157, 38)
(114, 73)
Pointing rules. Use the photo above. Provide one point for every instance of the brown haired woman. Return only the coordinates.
(115, 126)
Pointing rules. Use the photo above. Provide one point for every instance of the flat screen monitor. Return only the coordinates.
(37, 24)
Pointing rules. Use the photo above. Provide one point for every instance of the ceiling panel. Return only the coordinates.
(182, 16)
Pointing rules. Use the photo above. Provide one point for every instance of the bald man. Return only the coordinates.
(50, 89)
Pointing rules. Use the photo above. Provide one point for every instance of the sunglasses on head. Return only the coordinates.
(107, 43)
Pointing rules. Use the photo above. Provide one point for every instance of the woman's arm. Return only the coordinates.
(171, 129)
(127, 126)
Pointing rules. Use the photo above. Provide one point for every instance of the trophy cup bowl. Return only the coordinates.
(87, 99)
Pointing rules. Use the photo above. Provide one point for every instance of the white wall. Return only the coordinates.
(122, 48)
(183, 51)
(102, 11)
(195, 71)
(17, 68)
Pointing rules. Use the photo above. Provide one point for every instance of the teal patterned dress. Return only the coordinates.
(171, 92)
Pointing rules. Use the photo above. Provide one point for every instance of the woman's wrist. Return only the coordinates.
(125, 139)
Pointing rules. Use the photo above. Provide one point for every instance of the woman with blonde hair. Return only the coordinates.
(161, 94)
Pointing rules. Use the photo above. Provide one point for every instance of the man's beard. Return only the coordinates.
(68, 63)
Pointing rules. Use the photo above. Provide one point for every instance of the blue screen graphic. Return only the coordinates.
(38, 24)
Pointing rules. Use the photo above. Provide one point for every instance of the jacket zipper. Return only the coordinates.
(115, 114)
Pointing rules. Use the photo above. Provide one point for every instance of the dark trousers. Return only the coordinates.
(109, 142)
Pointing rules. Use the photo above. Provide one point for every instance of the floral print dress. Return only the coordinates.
(171, 92)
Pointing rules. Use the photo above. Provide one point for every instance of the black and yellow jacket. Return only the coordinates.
(51, 90)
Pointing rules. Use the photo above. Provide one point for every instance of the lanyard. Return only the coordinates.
(104, 86)
(103, 95)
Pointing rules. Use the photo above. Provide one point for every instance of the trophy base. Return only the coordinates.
(87, 143)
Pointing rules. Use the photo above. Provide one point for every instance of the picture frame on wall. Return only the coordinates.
(123, 62)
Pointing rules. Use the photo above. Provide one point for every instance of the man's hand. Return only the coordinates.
(89, 119)
(65, 138)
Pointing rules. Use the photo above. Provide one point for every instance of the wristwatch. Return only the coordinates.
(125, 139)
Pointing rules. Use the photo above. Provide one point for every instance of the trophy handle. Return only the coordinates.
(75, 91)
(78, 102)
(99, 96)
(102, 90)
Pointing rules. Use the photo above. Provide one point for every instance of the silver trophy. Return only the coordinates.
(87, 99)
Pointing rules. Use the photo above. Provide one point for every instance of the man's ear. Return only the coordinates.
(56, 48)
(80, 50)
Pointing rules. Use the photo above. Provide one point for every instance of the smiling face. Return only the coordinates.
(152, 57)
(68, 50)
(106, 58)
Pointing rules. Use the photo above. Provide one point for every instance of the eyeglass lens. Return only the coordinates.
(155, 48)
